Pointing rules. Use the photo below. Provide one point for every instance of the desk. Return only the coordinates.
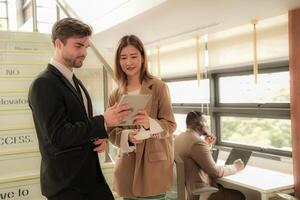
(266, 182)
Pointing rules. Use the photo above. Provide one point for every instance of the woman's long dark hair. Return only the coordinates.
(121, 77)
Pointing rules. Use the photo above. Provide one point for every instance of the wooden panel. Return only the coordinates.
(294, 64)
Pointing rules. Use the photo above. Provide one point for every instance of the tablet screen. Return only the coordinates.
(135, 103)
(244, 155)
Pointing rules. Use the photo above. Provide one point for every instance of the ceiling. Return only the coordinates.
(167, 21)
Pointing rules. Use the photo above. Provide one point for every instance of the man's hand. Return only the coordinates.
(239, 164)
(115, 114)
(210, 139)
(101, 145)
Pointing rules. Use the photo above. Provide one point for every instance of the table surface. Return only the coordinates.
(259, 179)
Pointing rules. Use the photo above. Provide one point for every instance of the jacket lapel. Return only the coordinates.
(66, 82)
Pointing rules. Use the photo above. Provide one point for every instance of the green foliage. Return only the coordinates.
(273, 133)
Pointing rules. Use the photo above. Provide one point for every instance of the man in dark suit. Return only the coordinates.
(69, 135)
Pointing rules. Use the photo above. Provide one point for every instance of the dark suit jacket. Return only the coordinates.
(65, 131)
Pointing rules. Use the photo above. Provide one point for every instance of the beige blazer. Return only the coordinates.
(148, 171)
(199, 166)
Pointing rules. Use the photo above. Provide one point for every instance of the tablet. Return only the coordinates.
(244, 155)
(135, 103)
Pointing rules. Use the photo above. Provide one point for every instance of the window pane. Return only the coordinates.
(46, 3)
(262, 132)
(181, 126)
(3, 10)
(62, 15)
(44, 27)
(189, 92)
(271, 88)
(3, 25)
(46, 15)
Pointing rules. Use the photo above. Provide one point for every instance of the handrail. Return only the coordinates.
(107, 67)
(34, 16)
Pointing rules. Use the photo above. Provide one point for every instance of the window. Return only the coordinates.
(189, 91)
(3, 24)
(238, 111)
(187, 96)
(46, 15)
(253, 116)
(259, 132)
(3, 13)
(3, 16)
(271, 88)
(181, 125)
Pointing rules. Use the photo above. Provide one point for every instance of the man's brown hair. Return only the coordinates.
(70, 27)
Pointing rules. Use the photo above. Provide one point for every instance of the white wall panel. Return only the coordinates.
(17, 141)
(13, 57)
(13, 101)
(11, 120)
(19, 165)
(21, 190)
(12, 85)
(22, 71)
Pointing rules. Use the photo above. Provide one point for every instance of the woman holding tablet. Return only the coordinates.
(144, 166)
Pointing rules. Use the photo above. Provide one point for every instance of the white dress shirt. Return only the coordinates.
(69, 76)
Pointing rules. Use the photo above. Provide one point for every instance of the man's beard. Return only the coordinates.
(72, 62)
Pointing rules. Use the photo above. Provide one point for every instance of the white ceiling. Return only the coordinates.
(172, 20)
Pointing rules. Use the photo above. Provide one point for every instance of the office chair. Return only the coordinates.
(178, 189)
(204, 192)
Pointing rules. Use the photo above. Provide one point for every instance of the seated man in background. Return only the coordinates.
(193, 146)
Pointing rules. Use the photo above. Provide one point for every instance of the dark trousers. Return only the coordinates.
(101, 193)
(90, 184)
(224, 194)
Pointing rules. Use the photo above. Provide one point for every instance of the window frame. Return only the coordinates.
(252, 110)
(5, 2)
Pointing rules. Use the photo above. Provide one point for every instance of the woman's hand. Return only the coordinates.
(142, 119)
(131, 136)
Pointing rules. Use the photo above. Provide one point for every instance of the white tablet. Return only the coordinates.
(135, 103)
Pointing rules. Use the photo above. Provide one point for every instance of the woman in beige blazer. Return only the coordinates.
(144, 165)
